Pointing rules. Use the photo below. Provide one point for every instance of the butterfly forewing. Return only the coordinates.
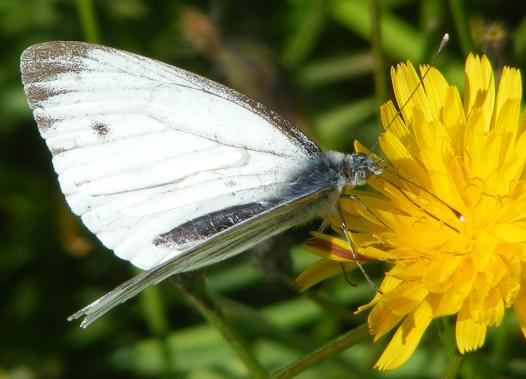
(145, 151)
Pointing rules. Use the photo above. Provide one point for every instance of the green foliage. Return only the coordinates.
(311, 60)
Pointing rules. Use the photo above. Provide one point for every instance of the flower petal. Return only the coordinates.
(319, 271)
(436, 88)
(479, 89)
(408, 91)
(406, 339)
(519, 306)
(470, 334)
(454, 120)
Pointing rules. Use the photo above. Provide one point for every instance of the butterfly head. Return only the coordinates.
(358, 167)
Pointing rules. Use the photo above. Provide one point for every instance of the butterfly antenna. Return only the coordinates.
(343, 226)
(443, 43)
(453, 210)
(402, 192)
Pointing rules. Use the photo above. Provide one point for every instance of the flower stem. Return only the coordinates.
(380, 79)
(87, 19)
(461, 25)
(454, 366)
(193, 289)
(332, 347)
(153, 310)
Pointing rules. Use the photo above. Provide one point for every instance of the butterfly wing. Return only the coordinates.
(146, 153)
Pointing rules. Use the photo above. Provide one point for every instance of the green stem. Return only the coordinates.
(461, 25)
(332, 347)
(446, 335)
(257, 321)
(334, 310)
(454, 366)
(153, 308)
(200, 299)
(87, 19)
(501, 347)
(307, 33)
(380, 80)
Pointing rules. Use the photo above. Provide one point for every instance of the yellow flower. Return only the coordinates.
(450, 213)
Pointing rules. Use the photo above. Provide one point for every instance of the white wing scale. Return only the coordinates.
(141, 147)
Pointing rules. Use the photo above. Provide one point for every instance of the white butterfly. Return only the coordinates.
(170, 170)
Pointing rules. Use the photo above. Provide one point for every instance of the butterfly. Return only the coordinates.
(172, 171)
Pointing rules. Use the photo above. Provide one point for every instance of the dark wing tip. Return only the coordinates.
(44, 62)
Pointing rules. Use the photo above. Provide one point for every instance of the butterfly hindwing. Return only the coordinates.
(221, 245)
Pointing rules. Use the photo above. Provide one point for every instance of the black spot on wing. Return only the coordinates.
(204, 227)
(100, 128)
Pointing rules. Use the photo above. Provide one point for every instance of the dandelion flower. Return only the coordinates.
(449, 213)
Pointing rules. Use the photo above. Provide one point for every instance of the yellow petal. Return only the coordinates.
(392, 122)
(398, 154)
(445, 304)
(479, 89)
(408, 90)
(329, 247)
(520, 309)
(437, 155)
(455, 293)
(388, 284)
(406, 339)
(510, 285)
(405, 298)
(439, 271)
(500, 142)
(513, 232)
(436, 88)
(519, 157)
(492, 310)
(319, 271)
(510, 88)
(454, 120)
(474, 141)
(470, 335)
(381, 320)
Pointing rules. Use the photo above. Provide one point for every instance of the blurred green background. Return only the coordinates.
(318, 62)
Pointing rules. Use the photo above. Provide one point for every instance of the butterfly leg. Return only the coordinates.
(353, 253)
(346, 276)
